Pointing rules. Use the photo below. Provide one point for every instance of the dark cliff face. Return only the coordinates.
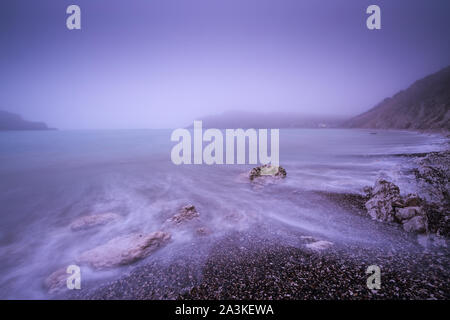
(425, 105)
(11, 121)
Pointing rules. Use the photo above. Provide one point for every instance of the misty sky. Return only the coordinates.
(163, 63)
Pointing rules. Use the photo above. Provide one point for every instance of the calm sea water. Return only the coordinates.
(48, 179)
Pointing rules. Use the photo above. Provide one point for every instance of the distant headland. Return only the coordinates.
(11, 121)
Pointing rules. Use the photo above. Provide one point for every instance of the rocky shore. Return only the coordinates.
(427, 212)
(246, 266)
(252, 264)
(262, 270)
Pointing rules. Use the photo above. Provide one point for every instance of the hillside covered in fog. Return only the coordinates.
(425, 105)
(12, 121)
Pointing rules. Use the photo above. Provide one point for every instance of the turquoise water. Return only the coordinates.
(49, 178)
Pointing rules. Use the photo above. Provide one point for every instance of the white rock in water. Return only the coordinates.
(319, 245)
(267, 170)
(124, 250)
(91, 221)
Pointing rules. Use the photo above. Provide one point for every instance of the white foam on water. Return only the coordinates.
(42, 195)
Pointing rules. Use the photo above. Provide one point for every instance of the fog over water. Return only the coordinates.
(48, 179)
(137, 68)
(162, 64)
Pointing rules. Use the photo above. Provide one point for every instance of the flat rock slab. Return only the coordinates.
(124, 250)
(92, 221)
(56, 281)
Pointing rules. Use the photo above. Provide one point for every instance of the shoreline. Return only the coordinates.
(244, 265)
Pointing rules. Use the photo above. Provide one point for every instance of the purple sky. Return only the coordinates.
(163, 63)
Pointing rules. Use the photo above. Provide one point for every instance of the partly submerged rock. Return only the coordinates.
(186, 213)
(267, 170)
(385, 197)
(57, 281)
(319, 245)
(91, 221)
(203, 231)
(266, 175)
(124, 250)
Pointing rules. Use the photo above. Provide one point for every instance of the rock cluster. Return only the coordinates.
(386, 204)
(385, 198)
(132, 247)
(121, 250)
(433, 175)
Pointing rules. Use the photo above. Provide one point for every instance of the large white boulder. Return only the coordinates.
(385, 197)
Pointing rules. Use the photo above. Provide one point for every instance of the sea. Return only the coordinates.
(50, 178)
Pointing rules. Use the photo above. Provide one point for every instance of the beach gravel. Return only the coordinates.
(244, 266)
